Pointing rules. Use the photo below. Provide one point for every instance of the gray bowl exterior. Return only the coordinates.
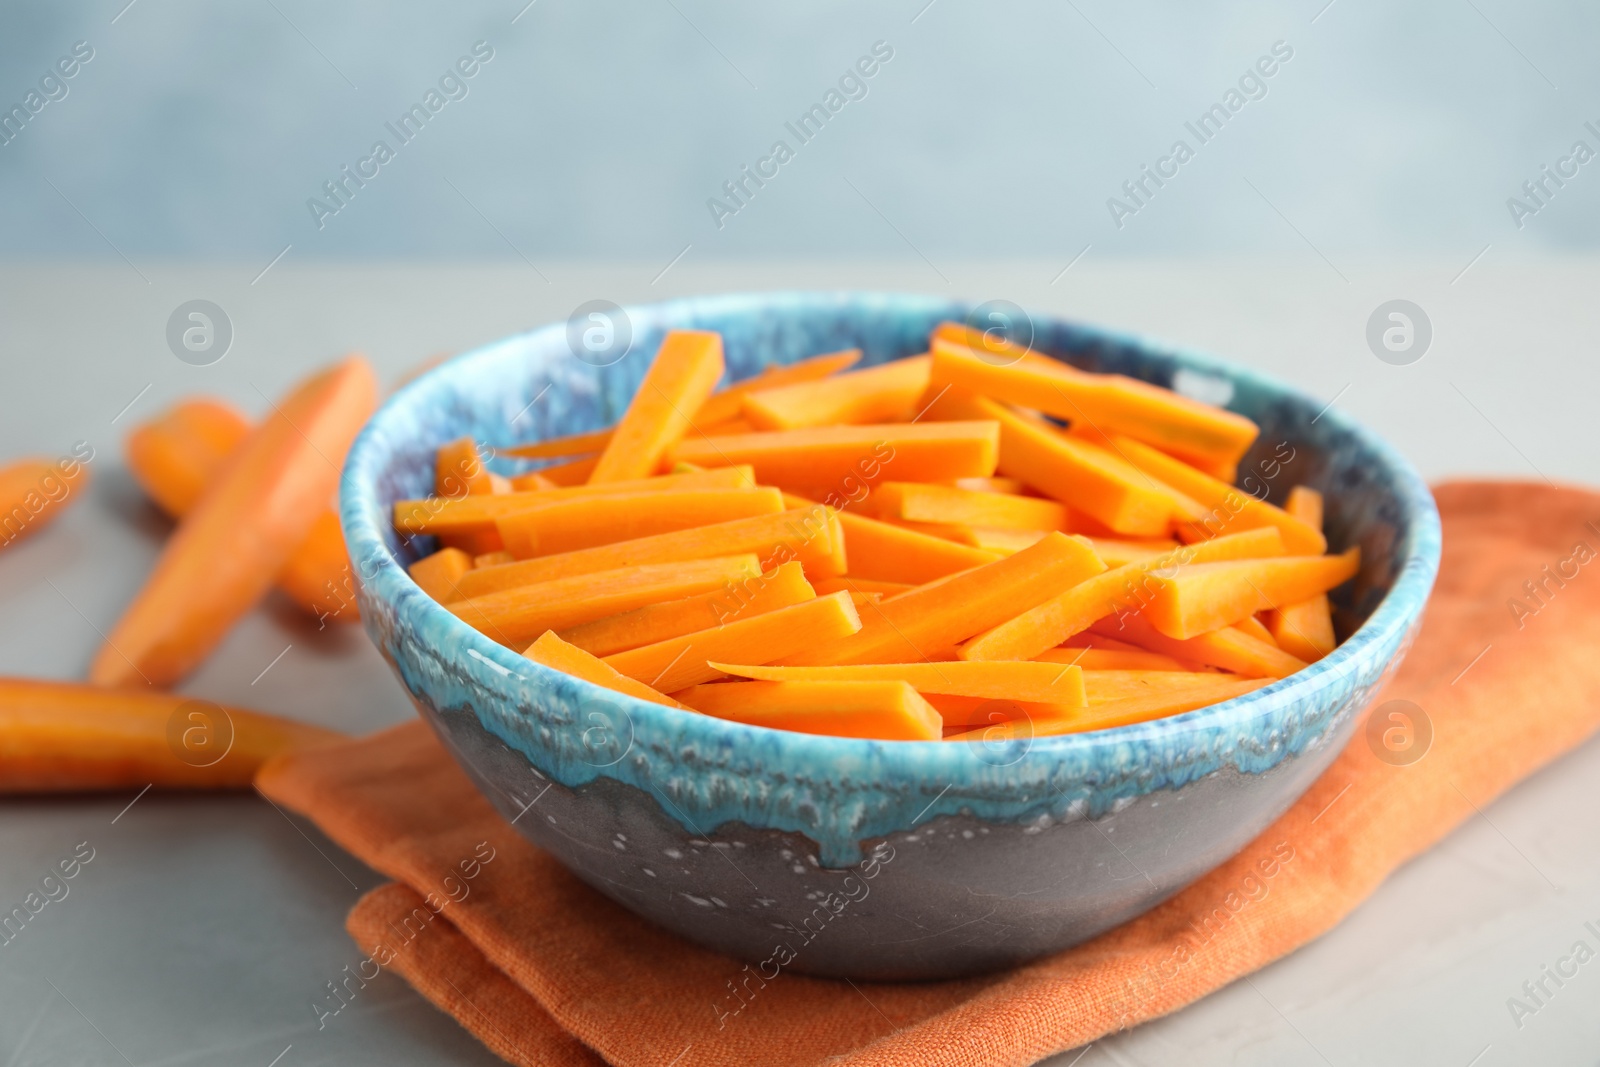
(854, 858)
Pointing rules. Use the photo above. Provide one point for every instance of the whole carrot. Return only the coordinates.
(226, 552)
(34, 491)
(63, 737)
(177, 455)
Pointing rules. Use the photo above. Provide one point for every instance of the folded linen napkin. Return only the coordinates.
(545, 971)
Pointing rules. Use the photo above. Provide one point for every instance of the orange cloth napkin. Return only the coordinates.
(545, 971)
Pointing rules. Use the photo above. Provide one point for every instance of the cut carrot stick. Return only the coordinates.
(176, 455)
(472, 542)
(1228, 510)
(967, 712)
(925, 621)
(317, 576)
(1113, 659)
(778, 588)
(683, 661)
(1255, 628)
(225, 552)
(560, 475)
(890, 711)
(1002, 541)
(1124, 588)
(850, 583)
(885, 393)
(493, 559)
(1208, 596)
(831, 454)
(720, 408)
(989, 485)
(685, 371)
(1051, 683)
(881, 551)
(1305, 504)
(61, 737)
(1230, 648)
(575, 444)
(1116, 551)
(459, 471)
(438, 574)
(580, 522)
(522, 483)
(516, 616)
(442, 515)
(1305, 628)
(34, 492)
(727, 404)
(922, 502)
(1111, 402)
(1106, 687)
(811, 536)
(1070, 469)
(550, 651)
(1103, 715)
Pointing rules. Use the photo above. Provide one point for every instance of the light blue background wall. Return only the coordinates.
(601, 127)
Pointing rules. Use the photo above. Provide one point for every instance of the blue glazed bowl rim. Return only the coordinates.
(1140, 744)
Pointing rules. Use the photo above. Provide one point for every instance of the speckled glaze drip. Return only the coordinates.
(837, 792)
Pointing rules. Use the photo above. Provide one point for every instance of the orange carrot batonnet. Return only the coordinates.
(777, 588)
(1208, 596)
(439, 574)
(852, 584)
(437, 515)
(890, 710)
(1051, 683)
(686, 369)
(581, 522)
(1093, 480)
(1095, 658)
(64, 737)
(1230, 648)
(1113, 402)
(1125, 588)
(516, 616)
(721, 407)
(881, 551)
(1227, 509)
(551, 651)
(885, 393)
(1305, 628)
(832, 454)
(683, 661)
(916, 625)
(810, 536)
(923, 502)
(226, 551)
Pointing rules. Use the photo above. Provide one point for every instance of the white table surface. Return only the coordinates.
(205, 926)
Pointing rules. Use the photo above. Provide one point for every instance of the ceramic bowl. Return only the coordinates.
(857, 858)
